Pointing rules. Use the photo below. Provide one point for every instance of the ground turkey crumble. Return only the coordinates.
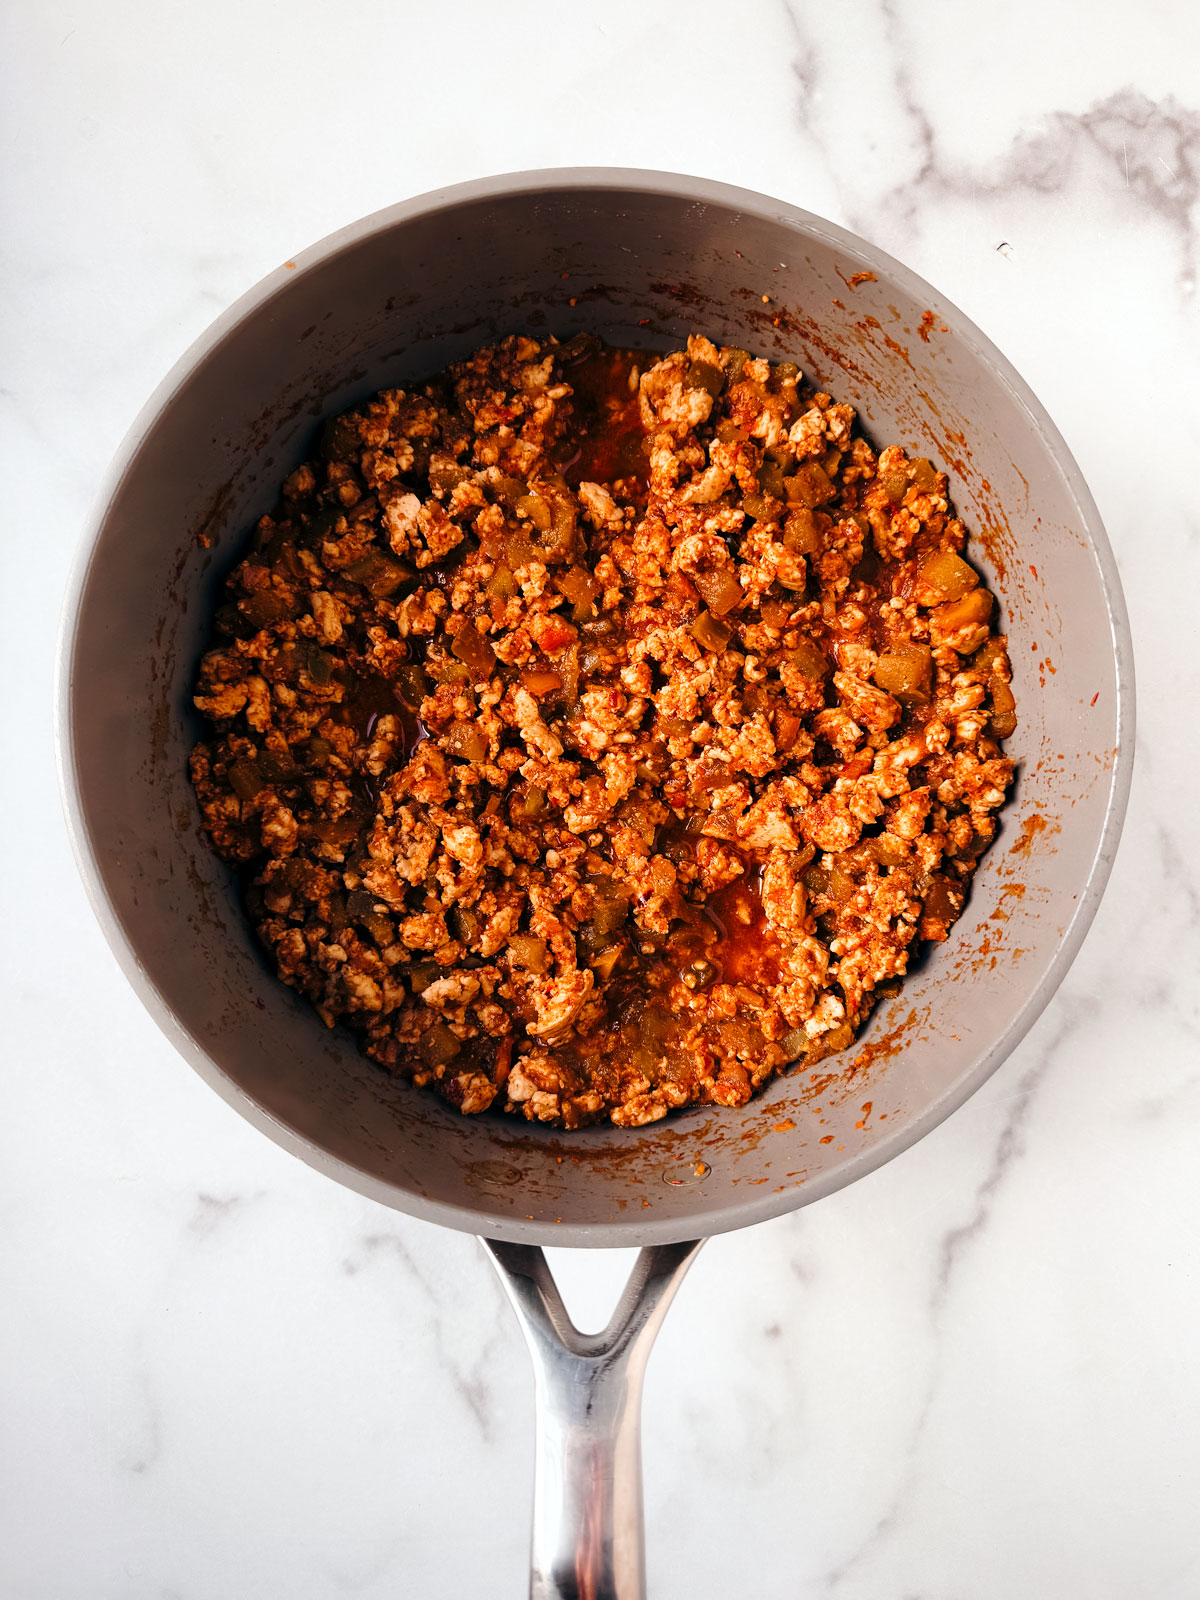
(597, 732)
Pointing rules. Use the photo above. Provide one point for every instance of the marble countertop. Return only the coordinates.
(974, 1374)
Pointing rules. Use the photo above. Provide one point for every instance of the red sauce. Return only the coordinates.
(749, 949)
(607, 442)
(369, 697)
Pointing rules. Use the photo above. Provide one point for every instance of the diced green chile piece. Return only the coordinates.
(971, 611)
(323, 524)
(735, 360)
(770, 480)
(319, 666)
(711, 632)
(276, 766)
(508, 491)
(894, 486)
(466, 741)
(794, 1044)
(1004, 707)
(411, 683)
(719, 589)
(944, 576)
(473, 650)
(889, 851)
(762, 507)
(378, 574)
(925, 475)
(906, 672)
(439, 1046)
(447, 475)
(465, 925)
(537, 511)
(528, 952)
(604, 962)
(446, 670)
(362, 908)
(534, 801)
(809, 660)
(360, 904)
(266, 607)
(245, 779)
(809, 485)
(703, 375)
(610, 913)
(800, 532)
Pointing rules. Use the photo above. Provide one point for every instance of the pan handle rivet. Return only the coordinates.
(690, 1172)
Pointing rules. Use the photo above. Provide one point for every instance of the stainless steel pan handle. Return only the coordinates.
(587, 1491)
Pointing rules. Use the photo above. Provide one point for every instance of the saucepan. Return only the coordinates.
(641, 259)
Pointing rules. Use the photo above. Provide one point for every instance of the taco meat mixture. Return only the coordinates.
(597, 732)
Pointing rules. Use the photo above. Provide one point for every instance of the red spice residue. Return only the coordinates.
(609, 442)
(856, 278)
(928, 323)
(1094, 698)
(1011, 891)
(749, 951)
(888, 1045)
(1033, 825)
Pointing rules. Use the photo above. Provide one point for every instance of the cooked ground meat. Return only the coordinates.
(598, 733)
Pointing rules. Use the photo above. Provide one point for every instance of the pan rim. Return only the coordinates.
(617, 1232)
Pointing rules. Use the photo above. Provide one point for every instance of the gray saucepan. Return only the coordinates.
(641, 259)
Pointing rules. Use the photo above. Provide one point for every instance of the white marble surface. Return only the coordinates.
(973, 1376)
